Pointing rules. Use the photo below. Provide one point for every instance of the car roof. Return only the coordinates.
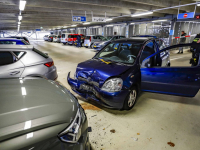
(8, 46)
(134, 39)
(11, 39)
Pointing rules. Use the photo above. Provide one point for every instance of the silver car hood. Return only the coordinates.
(32, 104)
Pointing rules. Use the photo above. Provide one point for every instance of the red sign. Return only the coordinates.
(198, 17)
(185, 15)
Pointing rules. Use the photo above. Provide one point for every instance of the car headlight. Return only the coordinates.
(112, 85)
(73, 131)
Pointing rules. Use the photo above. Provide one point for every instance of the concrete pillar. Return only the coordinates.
(173, 23)
(127, 30)
(102, 30)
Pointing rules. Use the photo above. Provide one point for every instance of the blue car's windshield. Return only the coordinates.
(120, 52)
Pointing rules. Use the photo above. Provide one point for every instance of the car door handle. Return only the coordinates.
(14, 73)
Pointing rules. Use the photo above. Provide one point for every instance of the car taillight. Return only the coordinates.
(51, 37)
(90, 39)
(49, 64)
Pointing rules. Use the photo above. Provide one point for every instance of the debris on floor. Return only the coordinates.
(94, 116)
(135, 139)
(112, 131)
(87, 106)
(103, 128)
(171, 144)
(138, 133)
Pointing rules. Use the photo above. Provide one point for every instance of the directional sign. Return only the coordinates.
(186, 15)
(79, 18)
(98, 19)
(37, 29)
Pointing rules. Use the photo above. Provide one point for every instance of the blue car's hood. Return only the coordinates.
(99, 71)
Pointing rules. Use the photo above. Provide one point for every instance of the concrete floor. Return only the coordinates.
(155, 120)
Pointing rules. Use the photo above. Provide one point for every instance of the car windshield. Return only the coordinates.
(108, 37)
(120, 52)
(104, 39)
(71, 36)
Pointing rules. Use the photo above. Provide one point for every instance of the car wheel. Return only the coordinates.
(130, 99)
(64, 43)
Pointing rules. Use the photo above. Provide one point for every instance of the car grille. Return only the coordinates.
(88, 81)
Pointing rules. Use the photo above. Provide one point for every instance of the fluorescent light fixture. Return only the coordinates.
(23, 90)
(49, 29)
(86, 23)
(24, 109)
(109, 25)
(20, 17)
(27, 125)
(159, 20)
(72, 29)
(19, 22)
(132, 23)
(198, 4)
(22, 5)
(74, 25)
(109, 19)
(142, 14)
(18, 25)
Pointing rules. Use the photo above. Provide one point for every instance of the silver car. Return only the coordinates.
(25, 60)
(40, 114)
(90, 39)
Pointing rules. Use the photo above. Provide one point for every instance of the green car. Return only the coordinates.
(40, 114)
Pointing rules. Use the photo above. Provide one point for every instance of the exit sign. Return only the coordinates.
(186, 15)
(197, 17)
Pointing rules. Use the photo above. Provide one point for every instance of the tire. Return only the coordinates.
(86, 46)
(64, 43)
(130, 102)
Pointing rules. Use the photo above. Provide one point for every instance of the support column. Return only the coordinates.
(102, 30)
(173, 23)
(127, 30)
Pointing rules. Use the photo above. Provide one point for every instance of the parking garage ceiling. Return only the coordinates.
(58, 13)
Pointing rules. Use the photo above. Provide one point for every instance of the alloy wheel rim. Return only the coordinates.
(132, 98)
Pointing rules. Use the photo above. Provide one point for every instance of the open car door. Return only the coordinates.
(175, 80)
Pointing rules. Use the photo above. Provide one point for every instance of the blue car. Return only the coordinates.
(13, 41)
(115, 75)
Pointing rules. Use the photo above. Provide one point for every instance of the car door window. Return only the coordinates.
(7, 58)
(19, 54)
(169, 57)
(147, 51)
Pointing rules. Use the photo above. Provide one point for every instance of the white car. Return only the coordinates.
(90, 39)
(64, 38)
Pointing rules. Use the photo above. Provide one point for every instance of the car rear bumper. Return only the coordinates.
(70, 42)
(52, 74)
(106, 99)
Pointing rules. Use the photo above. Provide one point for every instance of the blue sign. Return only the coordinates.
(37, 29)
(79, 18)
(186, 15)
(171, 32)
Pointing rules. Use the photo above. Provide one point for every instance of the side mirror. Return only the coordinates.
(46, 54)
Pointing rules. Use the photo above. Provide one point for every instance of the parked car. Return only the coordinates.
(20, 37)
(41, 114)
(72, 38)
(59, 39)
(153, 36)
(90, 39)
(82, 40)
(114, 76)
(51, 38)
(12, 41)
(99, 45)
(64, 38)
(46, 37)
(25, 60)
